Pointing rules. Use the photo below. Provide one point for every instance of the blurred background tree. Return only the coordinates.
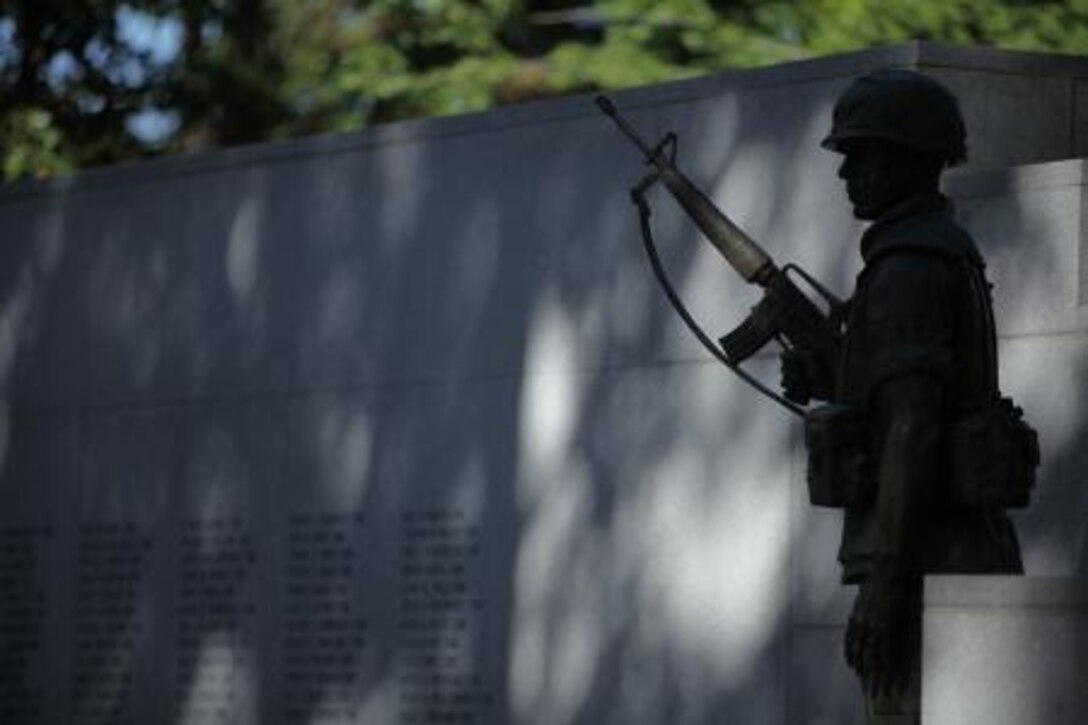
(91, 82)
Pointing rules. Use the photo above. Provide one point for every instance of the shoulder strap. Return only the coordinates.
(981, 294)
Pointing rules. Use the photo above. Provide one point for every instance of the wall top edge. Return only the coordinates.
(914, 54)
(998, 60)
(1036, 176)
(1005, 592)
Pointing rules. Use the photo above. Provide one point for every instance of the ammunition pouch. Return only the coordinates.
(994, 454)
(841, 473)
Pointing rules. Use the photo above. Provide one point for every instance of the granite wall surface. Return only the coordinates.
(395, 428)
(1005, 650)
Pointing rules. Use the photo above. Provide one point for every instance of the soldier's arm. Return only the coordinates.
(912, 331)
(908, 411)
(884, 625)
(909, 331)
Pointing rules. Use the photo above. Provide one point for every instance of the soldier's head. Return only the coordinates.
(897, 131)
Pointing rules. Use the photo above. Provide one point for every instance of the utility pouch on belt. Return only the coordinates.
(840, 470)
(994, 456)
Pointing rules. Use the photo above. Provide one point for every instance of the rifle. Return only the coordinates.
(784, 313)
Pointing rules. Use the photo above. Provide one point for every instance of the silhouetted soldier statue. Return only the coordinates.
(916, 443)
(918, 358)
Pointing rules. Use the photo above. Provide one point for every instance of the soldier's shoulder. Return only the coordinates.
(917, 261)
(934, 237)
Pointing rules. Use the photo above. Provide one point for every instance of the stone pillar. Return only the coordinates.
(1005, 650)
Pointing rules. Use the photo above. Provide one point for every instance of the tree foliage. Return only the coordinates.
(88, 82)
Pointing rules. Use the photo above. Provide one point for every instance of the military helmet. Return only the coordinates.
(904, 107)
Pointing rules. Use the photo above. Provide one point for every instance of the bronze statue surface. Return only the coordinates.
(918, 359)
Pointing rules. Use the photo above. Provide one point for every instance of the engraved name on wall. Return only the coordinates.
(330, 608)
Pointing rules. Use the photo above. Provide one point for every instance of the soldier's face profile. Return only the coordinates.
(874, 175)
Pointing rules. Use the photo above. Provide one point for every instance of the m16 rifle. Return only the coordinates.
(784, 313)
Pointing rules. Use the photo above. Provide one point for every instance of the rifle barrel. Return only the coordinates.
(609, 108)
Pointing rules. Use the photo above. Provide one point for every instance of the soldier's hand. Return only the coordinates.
(804, 377)
(882, 634)
(796, 368)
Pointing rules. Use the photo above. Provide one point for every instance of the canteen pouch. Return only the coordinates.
(840, 470)
(994, 455)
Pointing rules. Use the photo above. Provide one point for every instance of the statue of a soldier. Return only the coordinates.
(918, 357)
(916, 443)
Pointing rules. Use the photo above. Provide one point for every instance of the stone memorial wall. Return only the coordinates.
(1005, 650)
(394, 428)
